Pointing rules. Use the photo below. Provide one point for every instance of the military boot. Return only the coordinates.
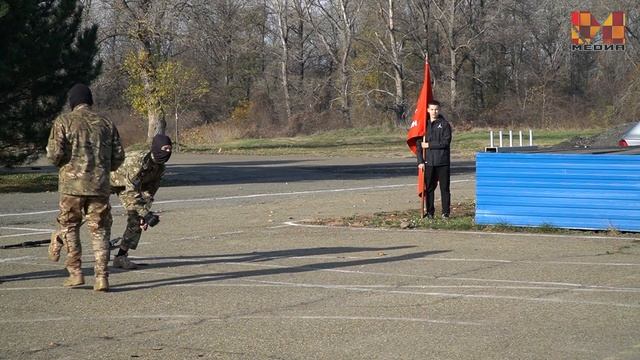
(123, 262)
(54, 247)
(102, 284)
(74, 280)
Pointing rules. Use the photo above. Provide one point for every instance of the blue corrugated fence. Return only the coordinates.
(578, 191)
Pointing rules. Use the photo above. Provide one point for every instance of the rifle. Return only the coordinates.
(113, 244)
(26, 244)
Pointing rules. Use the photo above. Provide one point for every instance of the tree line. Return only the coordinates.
(353, 62)
(493, 61)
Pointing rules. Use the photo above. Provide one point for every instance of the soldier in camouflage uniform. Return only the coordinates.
(86, 147)
(136, 182)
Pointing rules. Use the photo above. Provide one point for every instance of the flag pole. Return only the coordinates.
(423, 199)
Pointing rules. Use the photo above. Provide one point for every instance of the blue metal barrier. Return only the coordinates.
(576, 191)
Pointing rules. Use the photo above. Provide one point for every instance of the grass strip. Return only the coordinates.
(28, 182)
(462, 219)
(374, 142)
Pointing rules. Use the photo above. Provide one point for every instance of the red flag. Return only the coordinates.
(418, 125)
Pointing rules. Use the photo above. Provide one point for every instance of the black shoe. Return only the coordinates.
(429, 216)
(445, 216)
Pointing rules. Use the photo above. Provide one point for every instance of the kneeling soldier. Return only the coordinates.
(136, 182)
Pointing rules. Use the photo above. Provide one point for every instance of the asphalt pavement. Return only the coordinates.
(233, 272)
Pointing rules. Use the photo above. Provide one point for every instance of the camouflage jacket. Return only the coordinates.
(86, 147)
(137, 181)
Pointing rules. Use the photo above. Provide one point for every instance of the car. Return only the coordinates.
(631, 137)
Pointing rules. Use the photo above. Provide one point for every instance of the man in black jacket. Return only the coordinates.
(437, 162)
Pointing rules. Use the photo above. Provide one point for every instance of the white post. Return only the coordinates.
(491, 138)
(176, 142)
(530, 137)
(520, 133)
(510, 138)
(500, 134)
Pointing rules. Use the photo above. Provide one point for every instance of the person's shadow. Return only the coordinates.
(253, 257)
(265, 256)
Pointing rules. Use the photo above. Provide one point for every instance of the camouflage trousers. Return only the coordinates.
(136, 207)
(97, 211)
(132, 233)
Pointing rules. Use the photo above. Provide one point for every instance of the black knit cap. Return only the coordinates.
(80, 94)
(160, 156)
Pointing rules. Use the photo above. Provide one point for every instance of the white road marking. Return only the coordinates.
(231, 233)
(234, 197)
(531, 262)
(551, 283)
(366, 318)
(456, 295)
(33, 231)
(27, 234)
(18, 259)
(360, 272)
(23, 229)
(514, 281)
(577, 263)
(89, 257)
(30, 213)
(259, 283)
(34, 288)
(540, 286)
(294, 193)
(231, 318)
(489, 287)
(500, 261)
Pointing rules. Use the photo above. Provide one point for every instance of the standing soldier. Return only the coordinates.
(437, 163)
(136, 182)
(86, 147)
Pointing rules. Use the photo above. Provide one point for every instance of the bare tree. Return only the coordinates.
(301, 8)
(280, 11)
(230, 44)
(502, 60)
(335, 25)
(455, 18)
(393, 50)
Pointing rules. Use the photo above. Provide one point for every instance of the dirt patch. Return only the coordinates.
(462, 218)
(462, 215)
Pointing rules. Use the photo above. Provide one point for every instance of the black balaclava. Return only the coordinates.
(160, 156)
(80, 94)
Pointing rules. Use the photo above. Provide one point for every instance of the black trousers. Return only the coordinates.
(433, 176)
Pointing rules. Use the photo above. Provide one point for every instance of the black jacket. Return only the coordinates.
(439, 139)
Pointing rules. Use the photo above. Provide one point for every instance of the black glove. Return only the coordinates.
(151, 219)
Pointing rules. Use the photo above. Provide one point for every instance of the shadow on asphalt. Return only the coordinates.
(279, 171)
(255, 256)
(204, 278)
(272, 171)
(48, 274)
